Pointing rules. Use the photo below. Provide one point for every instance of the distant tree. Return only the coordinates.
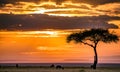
(92, 38)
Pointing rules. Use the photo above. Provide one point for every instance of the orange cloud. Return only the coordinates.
(67, 8)
(111, 9)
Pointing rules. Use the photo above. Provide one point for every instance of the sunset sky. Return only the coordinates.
(35, 31)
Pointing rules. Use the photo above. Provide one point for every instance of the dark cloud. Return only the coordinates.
(59, 1)
(3, 2)
(96, 2)
(38, 21)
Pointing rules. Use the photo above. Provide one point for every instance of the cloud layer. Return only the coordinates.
(2, 2)
(39, 21)
(62, 7)
(58, 14)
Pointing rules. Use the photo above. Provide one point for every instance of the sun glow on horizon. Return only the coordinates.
(46, 33)
(50, 46)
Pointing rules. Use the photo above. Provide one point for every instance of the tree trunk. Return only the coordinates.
(95, 59)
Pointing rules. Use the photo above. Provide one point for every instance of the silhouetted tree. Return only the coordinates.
(92, 38)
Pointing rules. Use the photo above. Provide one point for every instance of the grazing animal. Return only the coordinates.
(52, 66)
(91, 66)
(17, 65)
(59, 67)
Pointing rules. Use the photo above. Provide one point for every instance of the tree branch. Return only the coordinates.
(89, 40)
(95, 43)
(87, 44)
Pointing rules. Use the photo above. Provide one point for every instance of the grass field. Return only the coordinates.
(33, 69)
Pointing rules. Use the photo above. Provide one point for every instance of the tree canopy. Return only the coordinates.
(93, 35)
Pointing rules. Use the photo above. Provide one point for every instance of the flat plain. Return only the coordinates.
(33, 69)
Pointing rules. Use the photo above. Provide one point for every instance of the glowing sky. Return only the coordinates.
(36, 30)
(51, 46)
(65, 8)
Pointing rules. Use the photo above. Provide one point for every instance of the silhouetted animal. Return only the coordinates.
(17, 66)
(91, 66)
(52, 66)
(59, 67)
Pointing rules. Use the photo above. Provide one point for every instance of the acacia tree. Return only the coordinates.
(92, 38)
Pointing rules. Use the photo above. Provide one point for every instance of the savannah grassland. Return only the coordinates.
(72, 69)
